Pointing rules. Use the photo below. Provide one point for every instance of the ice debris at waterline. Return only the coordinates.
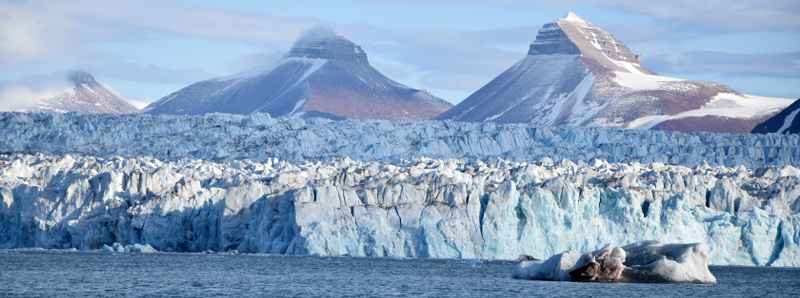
(648, 261)
(260, 137)
(129, 248)
(422, 208)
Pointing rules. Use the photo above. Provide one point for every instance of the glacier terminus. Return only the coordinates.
(397, 189)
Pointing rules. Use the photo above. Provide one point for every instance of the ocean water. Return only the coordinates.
(89, 274)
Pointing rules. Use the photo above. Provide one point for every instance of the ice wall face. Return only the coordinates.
(259, 137)
(425, 208)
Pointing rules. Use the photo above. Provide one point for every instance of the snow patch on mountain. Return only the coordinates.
(730, 105)
(788, 121)
(640, 81)
(138, 103)
(573, 17)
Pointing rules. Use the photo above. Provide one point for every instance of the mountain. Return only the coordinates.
(578, 74)
(786, 121)
(84, 95)
(323, 74)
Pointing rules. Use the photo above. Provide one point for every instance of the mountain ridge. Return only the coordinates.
(578, 74)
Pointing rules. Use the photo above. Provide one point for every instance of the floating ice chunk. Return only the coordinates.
(130, 248)
(645, 262)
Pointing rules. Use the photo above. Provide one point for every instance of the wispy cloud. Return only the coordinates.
(28, 92)
(144, 73)
(716, 14)
(785, 65)
(29, 28)
(24, 34)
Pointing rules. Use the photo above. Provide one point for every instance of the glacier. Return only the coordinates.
(259, 137)
(437, 208)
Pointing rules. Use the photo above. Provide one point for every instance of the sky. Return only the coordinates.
(147, 49)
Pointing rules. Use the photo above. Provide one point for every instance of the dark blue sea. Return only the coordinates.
(91, 274)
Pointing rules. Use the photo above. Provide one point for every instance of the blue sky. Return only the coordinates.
(147, 49)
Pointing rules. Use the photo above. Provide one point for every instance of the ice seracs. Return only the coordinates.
(577, 74)
(260, 137)
(323, 75)
(643, 262)
(420, 208)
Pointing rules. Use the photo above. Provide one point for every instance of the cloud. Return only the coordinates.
(260, 60)
(144, 73)
(723, 15)
(35, 30)
(24, 36)
(27, 93)
(778, 65)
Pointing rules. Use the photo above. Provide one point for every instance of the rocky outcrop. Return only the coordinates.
(425, 208)
(323, 75)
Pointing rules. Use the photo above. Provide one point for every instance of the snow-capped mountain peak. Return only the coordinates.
(579, 74)
(573, 17)
(600, 45)
(323, 43)
(76, 91)
(324, 74)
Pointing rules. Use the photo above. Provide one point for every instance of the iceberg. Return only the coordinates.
(129, 248)
(645, 262)
(433, 208)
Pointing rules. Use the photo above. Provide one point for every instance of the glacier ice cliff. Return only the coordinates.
(259, 137)
(417, 208)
